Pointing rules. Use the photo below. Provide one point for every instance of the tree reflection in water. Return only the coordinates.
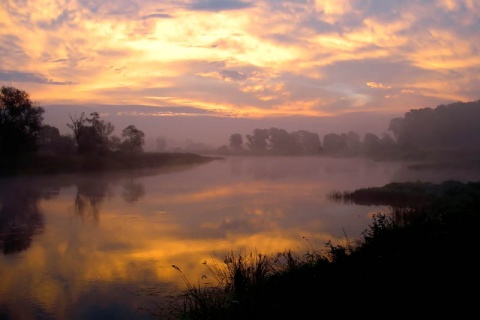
(90, 195)
(132, 191)
(20, 216)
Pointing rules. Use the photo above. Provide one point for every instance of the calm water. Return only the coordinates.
(103, 246)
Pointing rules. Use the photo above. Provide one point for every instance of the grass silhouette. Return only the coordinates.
(420, 259)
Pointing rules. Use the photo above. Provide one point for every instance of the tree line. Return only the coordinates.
(275, 141)
(22, 131)
(445, 130)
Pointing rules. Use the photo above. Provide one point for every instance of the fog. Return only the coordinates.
(88, 234)
(209, 130)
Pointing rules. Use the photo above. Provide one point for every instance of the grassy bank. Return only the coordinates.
(419, 260)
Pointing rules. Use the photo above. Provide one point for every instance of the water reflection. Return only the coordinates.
(144, 224)
(132, 191)
(89, 198)
(20, 216)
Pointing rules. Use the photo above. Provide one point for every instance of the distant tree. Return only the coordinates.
(396, 126)
(371, 144)
(257, 142)
(76, 125)
(47, 134)
(280, 142)
(64, 145)
(354, 144)
(236, 142)
(91, 134)
(306, 142)
(387, 142)
(445, 128)
(134, 139)
(103, 128)
(115, 143)
(20, 122)
(51, 142)
(334, 144)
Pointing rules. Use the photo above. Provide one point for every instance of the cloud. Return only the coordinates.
(157, 15)
(377, 85)
(110, 7)
(219, 5)
(15, 76)
(261, 59)
(233, 75)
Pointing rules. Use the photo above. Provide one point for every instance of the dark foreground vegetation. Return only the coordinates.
(420, 261)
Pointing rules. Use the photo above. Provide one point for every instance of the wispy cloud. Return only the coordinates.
(14, 76)
(219, 5)
(376, 85)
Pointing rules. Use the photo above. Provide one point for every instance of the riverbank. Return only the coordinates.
(419, 260)
(109, 162)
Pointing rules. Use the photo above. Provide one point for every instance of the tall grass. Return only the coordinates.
(234, 283)
(417, 259)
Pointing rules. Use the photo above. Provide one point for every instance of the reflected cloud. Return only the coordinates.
(182, 217)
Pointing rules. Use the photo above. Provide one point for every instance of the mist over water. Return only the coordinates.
(103, 246)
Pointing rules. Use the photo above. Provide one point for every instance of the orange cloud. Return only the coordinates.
(377, 85)
(189, 54)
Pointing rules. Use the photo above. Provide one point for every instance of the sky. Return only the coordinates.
(204, 69)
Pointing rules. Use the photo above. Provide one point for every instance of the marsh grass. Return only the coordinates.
(419, 260)
(232, 288)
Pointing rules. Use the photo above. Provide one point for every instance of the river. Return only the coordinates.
(102, 246)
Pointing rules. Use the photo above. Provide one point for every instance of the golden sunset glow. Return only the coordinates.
(113, 242)
(243, 58)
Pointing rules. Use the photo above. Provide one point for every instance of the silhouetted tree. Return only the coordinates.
(306, 142)
(103, 128)
(47, 134)
(396, 126)
(257, 142)
(387, 143)
(280, 142)
(371, 144)
(334, 144)
(50, 142)
(354, 144)
(20, 122)
(236, 142)
(452, 127)
(115, 143)
(91, 134)
(134, 139)
(76, 125)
